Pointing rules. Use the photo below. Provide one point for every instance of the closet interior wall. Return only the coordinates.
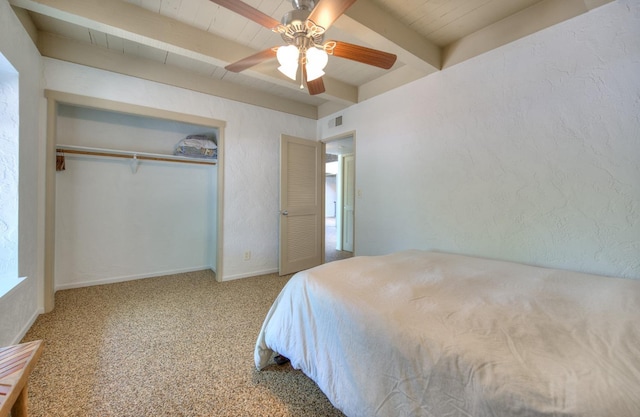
(117, 219)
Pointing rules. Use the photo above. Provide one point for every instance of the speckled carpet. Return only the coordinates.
(179, 345)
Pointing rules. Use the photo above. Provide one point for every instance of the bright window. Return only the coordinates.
(9, 158)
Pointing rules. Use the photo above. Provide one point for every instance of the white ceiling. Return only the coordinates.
(187, 43)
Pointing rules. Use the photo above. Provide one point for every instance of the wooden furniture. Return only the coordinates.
(16, 363)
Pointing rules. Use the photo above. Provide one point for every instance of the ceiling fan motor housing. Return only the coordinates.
(296, 29)
(303, 4)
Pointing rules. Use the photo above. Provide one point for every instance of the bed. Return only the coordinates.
(420, 333)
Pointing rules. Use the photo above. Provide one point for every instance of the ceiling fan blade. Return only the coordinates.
(249, 12)
(363, 54)
(252, 60)
(328, 11)
(316, 86)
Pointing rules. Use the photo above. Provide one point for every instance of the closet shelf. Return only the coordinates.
(115, 153)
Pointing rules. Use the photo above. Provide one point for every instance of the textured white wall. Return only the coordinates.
(251, 159)
(19, 308)
(530, 152)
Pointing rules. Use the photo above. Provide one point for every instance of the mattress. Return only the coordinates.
(420, 333)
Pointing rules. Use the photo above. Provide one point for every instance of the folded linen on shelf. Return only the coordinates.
(199, 146)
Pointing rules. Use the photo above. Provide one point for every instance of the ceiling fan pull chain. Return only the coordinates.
(301, 78)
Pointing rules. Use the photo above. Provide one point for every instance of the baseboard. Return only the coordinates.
(250, 274)
(127, 278)
(27, 326)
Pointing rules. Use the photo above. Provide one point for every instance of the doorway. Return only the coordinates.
(339, 197)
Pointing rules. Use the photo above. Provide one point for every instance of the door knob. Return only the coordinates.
(285, 213)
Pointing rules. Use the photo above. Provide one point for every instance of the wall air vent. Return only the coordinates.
(337, 121)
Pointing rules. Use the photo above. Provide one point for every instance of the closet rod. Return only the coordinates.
(80, 150)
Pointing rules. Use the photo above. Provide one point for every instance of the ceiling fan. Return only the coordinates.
(305, 51)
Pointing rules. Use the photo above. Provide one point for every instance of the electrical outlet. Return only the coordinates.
(247, 255)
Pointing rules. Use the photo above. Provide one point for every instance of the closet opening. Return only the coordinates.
(127, 202)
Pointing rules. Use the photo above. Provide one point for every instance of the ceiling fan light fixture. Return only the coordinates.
(291, 72)
(313, 73)
(316, 60)
(288, 57)
(303, 30)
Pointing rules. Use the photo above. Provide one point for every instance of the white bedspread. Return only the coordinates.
(430, 334)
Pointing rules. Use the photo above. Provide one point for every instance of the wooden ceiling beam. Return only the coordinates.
(128, 21)
(417, 57)
(541, 15)
(378, 28)
(64, 49)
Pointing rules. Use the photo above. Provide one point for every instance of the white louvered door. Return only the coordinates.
(301, 207)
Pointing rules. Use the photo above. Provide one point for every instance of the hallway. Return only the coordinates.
(331, 254)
